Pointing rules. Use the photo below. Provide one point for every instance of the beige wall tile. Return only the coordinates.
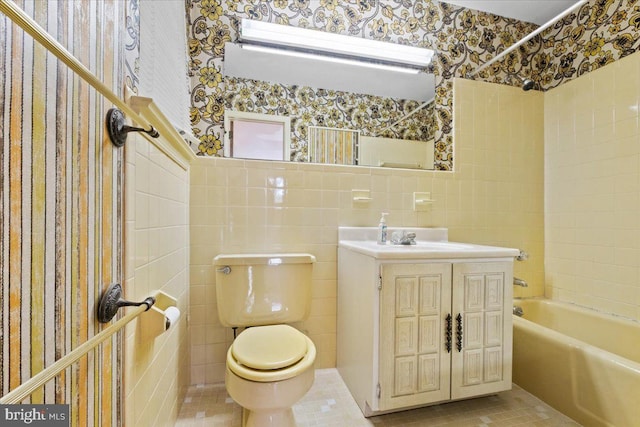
(593, 189)
(157, 241)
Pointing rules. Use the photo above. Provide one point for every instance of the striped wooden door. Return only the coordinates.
(60, 209)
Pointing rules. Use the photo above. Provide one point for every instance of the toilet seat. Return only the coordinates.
(270, 347)
(270, 353)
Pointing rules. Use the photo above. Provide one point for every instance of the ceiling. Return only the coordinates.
(535, 11)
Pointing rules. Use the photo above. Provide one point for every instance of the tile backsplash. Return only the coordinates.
(494, 197)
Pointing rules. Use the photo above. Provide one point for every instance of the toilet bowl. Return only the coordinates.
(270, 365)
(269, 368)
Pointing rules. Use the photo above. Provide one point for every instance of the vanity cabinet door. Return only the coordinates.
(482, 328)
(414, 368)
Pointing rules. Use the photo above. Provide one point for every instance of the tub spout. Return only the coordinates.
(518, 311)
(519, 282)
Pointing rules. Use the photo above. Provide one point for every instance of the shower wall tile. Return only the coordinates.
(592, 191)
(493, 197)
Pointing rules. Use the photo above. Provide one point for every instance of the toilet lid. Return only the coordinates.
(269, 347)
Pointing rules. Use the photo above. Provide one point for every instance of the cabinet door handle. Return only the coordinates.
(448, 332)
(459, 332)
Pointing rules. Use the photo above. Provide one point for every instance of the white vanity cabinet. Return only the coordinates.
(445, 332)
(423, 327)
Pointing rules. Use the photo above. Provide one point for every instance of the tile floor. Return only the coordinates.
(329, 403)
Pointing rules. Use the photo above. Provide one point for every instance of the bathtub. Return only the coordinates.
(581, 362)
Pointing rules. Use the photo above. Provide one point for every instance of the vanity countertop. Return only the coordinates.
(431, 243)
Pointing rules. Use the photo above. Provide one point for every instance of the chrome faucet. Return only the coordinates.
(518, 311)
(519, 282)
(403, 238)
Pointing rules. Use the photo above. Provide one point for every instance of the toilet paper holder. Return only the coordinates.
(160, 317)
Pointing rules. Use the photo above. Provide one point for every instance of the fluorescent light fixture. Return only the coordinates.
(335, 59)
(335, 45)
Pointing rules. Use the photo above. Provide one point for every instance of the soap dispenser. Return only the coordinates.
(382, 229)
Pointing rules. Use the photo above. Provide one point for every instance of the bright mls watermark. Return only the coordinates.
(34, 415)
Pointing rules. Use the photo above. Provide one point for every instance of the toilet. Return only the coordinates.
(270, 364)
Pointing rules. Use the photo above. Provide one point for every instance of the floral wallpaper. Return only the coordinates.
(132, 45)
(598, 33)
(308, 106)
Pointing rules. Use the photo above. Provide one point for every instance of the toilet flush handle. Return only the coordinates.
(224, 270)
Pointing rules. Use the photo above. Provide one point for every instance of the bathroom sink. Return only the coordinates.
(433, 250)
(438, 248)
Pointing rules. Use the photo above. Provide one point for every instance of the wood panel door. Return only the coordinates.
(482, 353)
(414, 363)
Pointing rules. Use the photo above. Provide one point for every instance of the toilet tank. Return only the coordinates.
(263, 289)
